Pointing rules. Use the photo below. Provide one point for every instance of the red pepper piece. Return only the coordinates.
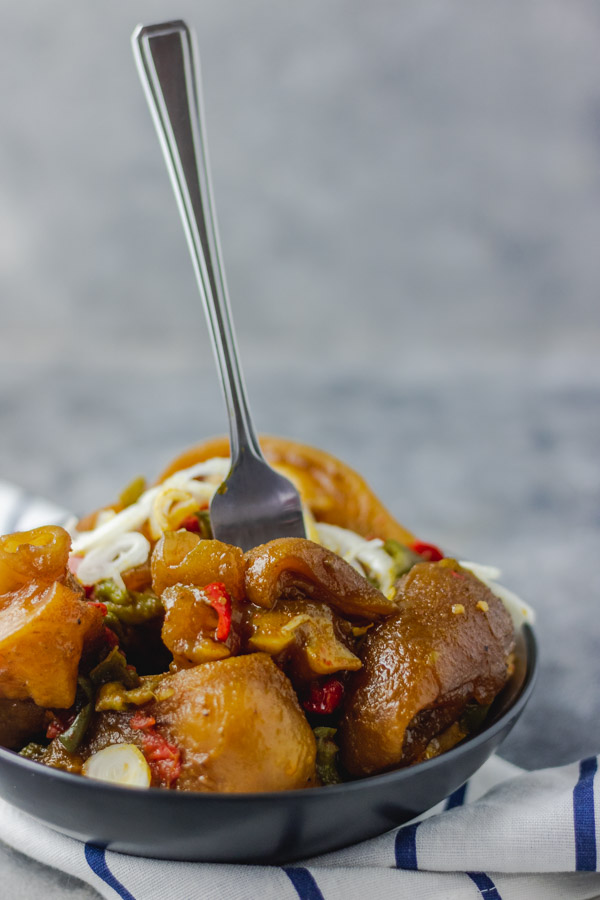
(59, 723)
(140, 721)
(428, 551)
(110, 637)
(157, 748)
(163, 757)
(168, 770)
(101, 606)
(54, 729)
(190, 523)
(220, 601)
(324, 697)
(89, 590)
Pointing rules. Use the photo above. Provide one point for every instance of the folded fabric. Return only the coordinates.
(504, 835)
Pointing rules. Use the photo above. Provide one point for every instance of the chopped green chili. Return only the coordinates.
(327, 751)
(114, 696)
(133, 491)
(404, 558)
(127, 607)
(473, 717)
(108, 591)
(73, 736)
(141, 608)
(114, 668)
(33, 751)
(203, 516)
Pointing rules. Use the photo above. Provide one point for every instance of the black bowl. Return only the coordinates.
(259, 828)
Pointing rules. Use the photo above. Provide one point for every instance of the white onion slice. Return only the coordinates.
(133, 517)
(367, 557)
(125, 552)
(129, 519)
(119, 764)
(216, 469)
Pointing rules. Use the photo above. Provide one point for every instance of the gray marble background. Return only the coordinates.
(409, 201)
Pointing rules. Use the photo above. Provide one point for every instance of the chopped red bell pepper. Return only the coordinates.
(163, 757)
(428, 551)
(158, 748)
(54, 729)
(220, 601)
(324, 697)
(59, 723)
(140, 721)
(110, 637)
(167, 770)
(101, 606)
(191, 523)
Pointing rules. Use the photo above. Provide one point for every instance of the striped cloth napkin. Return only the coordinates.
(506, 834)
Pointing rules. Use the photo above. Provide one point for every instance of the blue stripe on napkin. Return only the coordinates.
(458, 797)
(304, 883)
(96, 860)
(405, 847)
(485, 885)
(583, 817)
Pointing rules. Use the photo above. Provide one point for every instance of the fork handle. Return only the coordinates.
(167, 65)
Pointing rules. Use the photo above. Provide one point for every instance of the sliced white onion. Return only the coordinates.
(520, 612)
(119, 764)
(215, 469)
(104, 516)
(108, 561)
(367, 557)
(484, 573)
(341, 541)
(170, 507)
(133, 517)
(129, 519)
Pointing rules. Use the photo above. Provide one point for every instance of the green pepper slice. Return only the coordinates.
(404, 558)
(114, 668)
(327, 751)
(132, 492)
(33, 751)
(127, 607)
(73, 736)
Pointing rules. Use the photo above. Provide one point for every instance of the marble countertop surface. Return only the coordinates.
(409, 200)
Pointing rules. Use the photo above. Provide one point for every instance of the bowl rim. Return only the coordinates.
(159, 795)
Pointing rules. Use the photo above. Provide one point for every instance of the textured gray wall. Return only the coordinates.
(409, 201)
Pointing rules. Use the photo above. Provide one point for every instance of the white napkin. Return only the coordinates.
(505, 835)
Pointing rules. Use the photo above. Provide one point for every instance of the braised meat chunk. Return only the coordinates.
(44, 619)
(448, 645)
(239, 727)
(285, 563)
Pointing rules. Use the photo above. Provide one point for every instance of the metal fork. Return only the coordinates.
(254, 504)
